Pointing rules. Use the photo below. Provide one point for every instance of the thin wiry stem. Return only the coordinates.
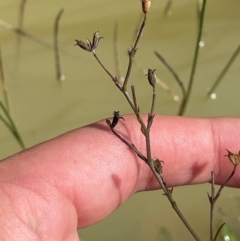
(214, 197)
(31, 37)
(6, 110)
(167, 192)
(194, 64)
(146, 132)
(24, 34)
(130, 145)
(116, 52)
(212, 204)
(132, 52)
(173, 72)
(5, 122)
(153, 104)
(5, 94)
(144, 70)
(225, 183)
(218, 231)
(114, 79)
(20, 26)
(154, 164)
(11, 125)
(225, 70)
(21, 13)
(59, 74)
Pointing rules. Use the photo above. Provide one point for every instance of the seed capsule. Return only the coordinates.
(157, 165)
(146, 4)
(151, 77)
(89, 46)
(95, 40)
(234, 158)
(116, 117)
(85, 46)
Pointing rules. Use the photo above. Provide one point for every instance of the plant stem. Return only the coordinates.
(218, 231)
(5, 94)
(105, 69)
(24, 34)
(116, 52)
(144, 128)
(6, 110)
(213, 198)
(146, 132)
(194, 64)
(59, 74)
(168, 194)
(225, 70)
(21, 13)
(225, 183)
(173, 72)
(212, 204)
(20, 26)
(132, 52)
(12, 127)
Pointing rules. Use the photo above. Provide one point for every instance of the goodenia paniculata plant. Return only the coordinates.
(155, 164)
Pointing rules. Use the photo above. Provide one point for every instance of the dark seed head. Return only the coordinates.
(85, 46)
(234, 158)
(116, 117)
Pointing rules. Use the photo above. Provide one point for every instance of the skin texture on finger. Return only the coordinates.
(96, 172)
(36, 211)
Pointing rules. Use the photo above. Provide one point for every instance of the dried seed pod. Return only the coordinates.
(85, 46)
(146, 4)
(234, 158)
(157, 165)
(151, 77)
(116, 117)
(95, 40)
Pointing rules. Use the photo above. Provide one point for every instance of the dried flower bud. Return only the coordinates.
(85, 46)
(234, 158)
(89, 46)
(146, 4)
(95, 40)
(116, 117)
(151, 77)
(157, 165)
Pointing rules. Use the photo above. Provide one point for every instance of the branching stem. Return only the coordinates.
(154, 164)
(213, 198)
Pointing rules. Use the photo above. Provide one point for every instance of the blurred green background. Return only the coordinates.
(44, 108)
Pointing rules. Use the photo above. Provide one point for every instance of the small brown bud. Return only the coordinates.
(157, 165)
(151, 77)
(146, 4)
(234, 158)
